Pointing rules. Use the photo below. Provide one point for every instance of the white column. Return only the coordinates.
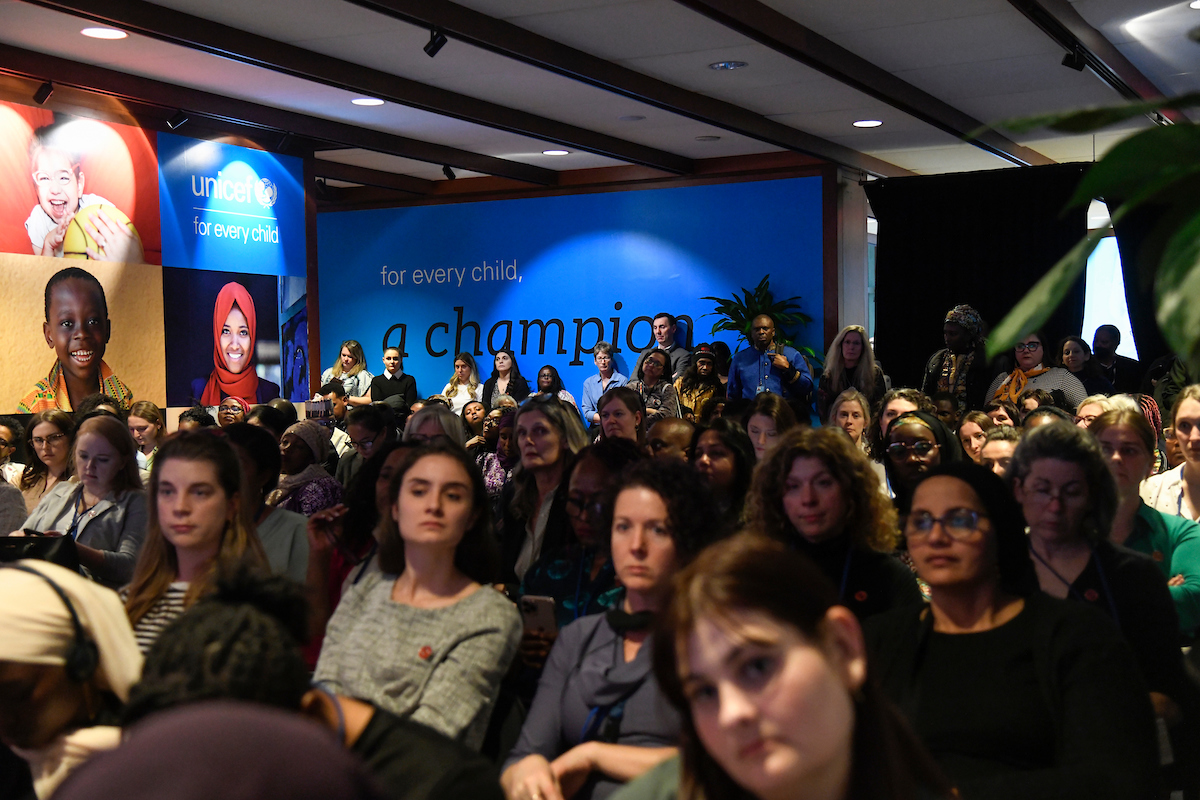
(852, 250)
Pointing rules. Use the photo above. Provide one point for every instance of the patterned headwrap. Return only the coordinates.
(967, 317)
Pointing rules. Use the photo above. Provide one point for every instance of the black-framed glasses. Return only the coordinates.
(592, 504)
(366, 444)
(958, 523)
(1027, 347)
(900, 450)
(3, 443)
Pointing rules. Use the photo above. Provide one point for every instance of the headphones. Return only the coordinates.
(82, 656)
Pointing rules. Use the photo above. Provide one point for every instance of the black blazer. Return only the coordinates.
(518, 390)
(512, 533)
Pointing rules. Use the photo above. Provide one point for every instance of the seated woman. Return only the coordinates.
(351, 370)
(972, 433)
(595, 386)
(304, 485)
(234, 330)
(232, 411)
(49, 438)
(105, 513)
(817, 492)
(259, 623)
(1031, 372)
(498, 456)
(550, 383)
(548, 434)
(622, 415)
(1069, 500)
(916, 442)
(427, 638)
(473, 415)
(699, 383)
(851, 412)
(195, 528)
(66, 666)
(895, 402)
(434, 420)
(653, 384)
(1003, 412)
(464, 383)
(754, 649)
(1127, 442)
(506, 380)
(849, 364)
(195, 417)
(147, 426)
(768, 417)
(1177, 491)
(723, 456)
(1015, 693)
(1075, 356)
(598, 719)
(281, 533)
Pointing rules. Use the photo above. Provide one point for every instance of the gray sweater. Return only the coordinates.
(438, 666)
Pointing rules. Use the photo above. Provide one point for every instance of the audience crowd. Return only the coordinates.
(727, 575)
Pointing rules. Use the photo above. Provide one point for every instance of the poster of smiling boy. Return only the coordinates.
(57, 168)
(103, 324)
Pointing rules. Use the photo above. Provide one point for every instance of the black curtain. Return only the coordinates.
(1138, 269)
(982, 238)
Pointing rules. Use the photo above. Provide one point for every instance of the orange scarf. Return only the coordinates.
(1015, 383)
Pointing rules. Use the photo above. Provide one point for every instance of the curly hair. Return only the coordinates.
(870, 519)
(690, 508)
(1074, 446)
(239, 643)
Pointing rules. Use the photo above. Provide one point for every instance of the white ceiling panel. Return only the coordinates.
(389, 163)
(828, 18)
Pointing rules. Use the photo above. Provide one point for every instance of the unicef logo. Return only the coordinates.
(266, 192)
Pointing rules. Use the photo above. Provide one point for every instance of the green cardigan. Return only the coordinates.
(1173, 542)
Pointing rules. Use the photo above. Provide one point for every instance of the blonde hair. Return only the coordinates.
(864, 373)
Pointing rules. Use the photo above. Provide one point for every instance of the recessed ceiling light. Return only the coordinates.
(728, 65)
(556, 152)
(367, 101)
(639, 117)
(708, 138)
(1194, 4)
(868, 123)
(104, 33)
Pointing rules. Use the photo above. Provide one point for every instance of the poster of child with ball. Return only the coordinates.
(77, 188)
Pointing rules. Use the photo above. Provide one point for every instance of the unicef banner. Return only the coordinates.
(548, 277)
(230, 208)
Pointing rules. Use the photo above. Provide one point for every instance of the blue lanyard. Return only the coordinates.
(73, 530)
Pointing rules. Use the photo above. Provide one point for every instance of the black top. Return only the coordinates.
(415, 762)
(517, 389)
(1132, 584)
(827, 392)
(1094, 384)
(405, 387)
(1125, 374)
(557, 535)
(1049, 705)
(868, 582)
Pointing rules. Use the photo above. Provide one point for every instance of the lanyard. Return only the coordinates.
(73, 531)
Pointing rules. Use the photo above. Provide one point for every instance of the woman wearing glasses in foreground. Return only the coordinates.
(1015, 693)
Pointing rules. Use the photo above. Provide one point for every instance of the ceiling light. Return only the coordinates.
(449, 173)
(708, 138)
(556, 152)
(367, 101)
(177, 120)
(1194, 4)
(639, 117)
(104, 33)
(868, 123)
(728, 65)
(43, 93)
(437, 40)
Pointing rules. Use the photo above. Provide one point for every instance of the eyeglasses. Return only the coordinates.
(590, 505)
(5, 444)
(365, 444)
(899, 450)
(1027, 347)
(52, 439)
(1087, 419)
(958, 523)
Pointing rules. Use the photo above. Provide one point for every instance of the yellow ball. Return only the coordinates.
(76, 241)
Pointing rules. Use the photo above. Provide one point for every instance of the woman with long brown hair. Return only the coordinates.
(195, 529)
(49, 437)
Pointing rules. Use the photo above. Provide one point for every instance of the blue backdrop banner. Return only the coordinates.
(230, 208)
(548, 277)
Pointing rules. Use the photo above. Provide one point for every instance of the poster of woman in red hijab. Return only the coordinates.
(242, 357)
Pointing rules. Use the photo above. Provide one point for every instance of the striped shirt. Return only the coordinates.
(160, 615)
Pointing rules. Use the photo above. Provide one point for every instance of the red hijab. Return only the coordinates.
(222, 382)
